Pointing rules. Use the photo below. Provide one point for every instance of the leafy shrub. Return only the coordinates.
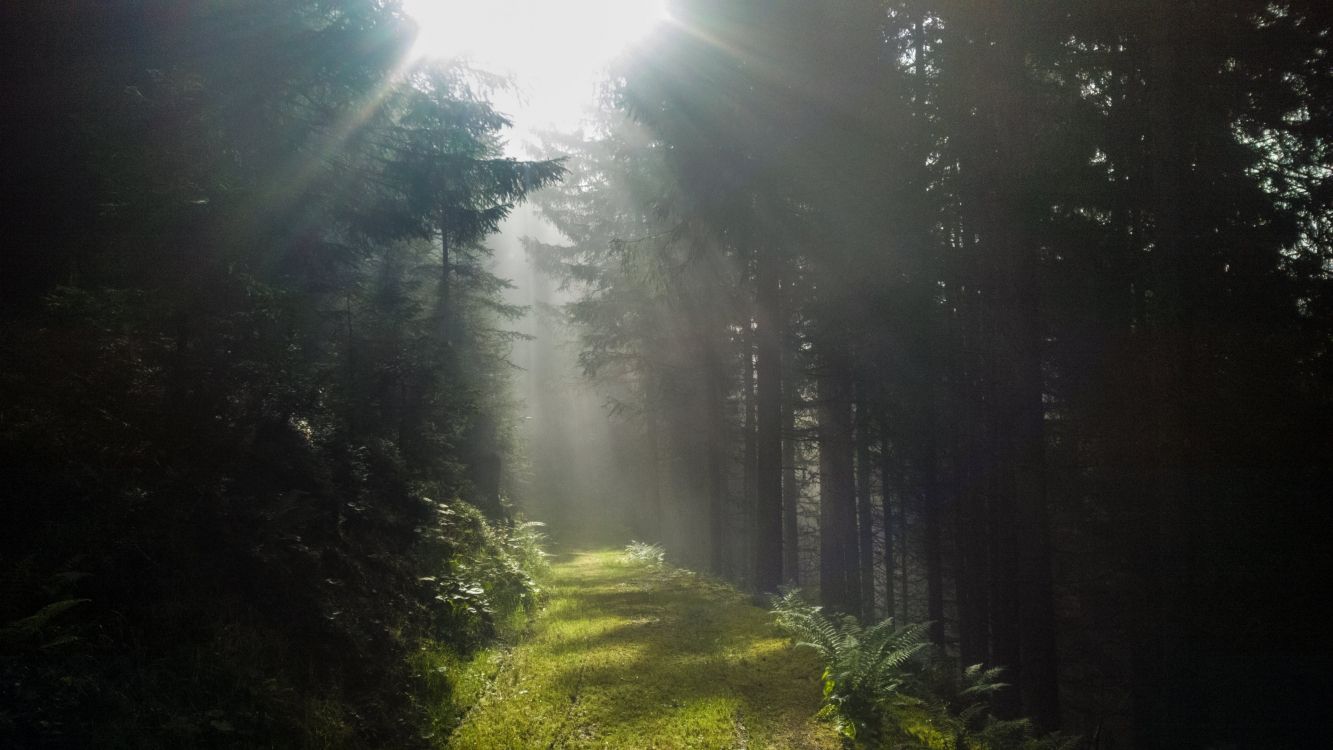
(491, 578)
(486, 573)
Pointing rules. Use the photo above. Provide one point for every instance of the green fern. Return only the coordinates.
(31, 627)
(963, 713)
(867, 670)
(644, 553)
(876, 691)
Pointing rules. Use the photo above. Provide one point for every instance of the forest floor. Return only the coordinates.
(633, 656)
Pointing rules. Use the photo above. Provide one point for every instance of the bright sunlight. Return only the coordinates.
(555, 50)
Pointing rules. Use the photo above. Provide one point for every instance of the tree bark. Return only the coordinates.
(768, 458)
(864, 515)
(932, 501)
(653, 490)
(446, 271)
(1161, 716)
(886, 507)
(1025, 598)
(715, 459)
(791, 493)
(746, 541)
(838, 584)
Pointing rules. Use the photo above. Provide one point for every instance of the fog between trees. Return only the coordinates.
(1009, 317)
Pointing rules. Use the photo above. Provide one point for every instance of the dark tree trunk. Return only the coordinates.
(886, 473)
(973, 571)
(903, 539)
(1040, 678)
(715, 458)
(973, 475)
(791, 493)
(839, 588)
(932, 502)
(864, 515)
(1162, 714)
(446, 271)
(745, 542)
(653, 481)
(1023, 626)
(1038, 681)
(768, 459)
(1005, 646)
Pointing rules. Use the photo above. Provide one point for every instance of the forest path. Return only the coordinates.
(631, 656)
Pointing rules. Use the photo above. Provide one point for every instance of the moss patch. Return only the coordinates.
(631, 656)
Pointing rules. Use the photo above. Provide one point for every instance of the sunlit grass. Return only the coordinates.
(630, 656)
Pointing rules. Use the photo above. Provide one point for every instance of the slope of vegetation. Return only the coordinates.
(631, 654)
(252, 403)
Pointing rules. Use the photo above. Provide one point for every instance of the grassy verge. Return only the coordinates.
(633, 656)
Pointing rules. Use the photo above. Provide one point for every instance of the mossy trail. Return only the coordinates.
(630, 656)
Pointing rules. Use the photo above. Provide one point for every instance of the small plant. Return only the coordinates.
(644, 553)
(877, 687)
(966, 716)
(868, 671)
(525, 545)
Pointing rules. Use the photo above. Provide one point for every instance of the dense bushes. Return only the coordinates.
(242, 581)
(245, 393)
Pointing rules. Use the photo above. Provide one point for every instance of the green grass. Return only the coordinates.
(633, 656)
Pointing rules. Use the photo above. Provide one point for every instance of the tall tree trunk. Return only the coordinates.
(903, 539)
(653, 480)
(971, 535)
(715, 458)
(932, 502)
(1025, 556)
(1040, 677)
(446, 271)
(839, 588)
(768, 459)
(745, 541)
(1006, 649)
(886, 473)
(864, 515)
(1161, 651)
(791, 493)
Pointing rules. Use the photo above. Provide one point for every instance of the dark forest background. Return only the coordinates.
(1010, 317)
(255, 412)
(1013, 317)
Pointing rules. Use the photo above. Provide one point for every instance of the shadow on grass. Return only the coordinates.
(684, 645)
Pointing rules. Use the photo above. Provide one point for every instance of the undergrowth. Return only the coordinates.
(882, 690)
(323, 655)
(645, 553)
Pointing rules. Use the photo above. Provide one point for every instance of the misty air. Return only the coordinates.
(630, 374)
